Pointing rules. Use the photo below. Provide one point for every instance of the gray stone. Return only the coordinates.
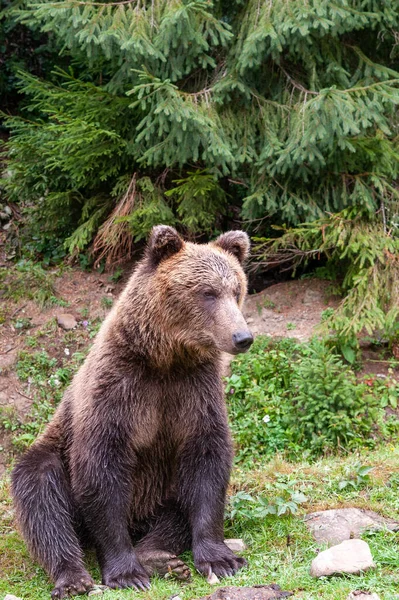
(351, 556)
(335, 526)
(66, 321)
(8, 210)
(256, 592)
(236, 545)
(359, 595)
(11, 597)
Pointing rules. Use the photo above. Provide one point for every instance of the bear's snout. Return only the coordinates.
(242, 340)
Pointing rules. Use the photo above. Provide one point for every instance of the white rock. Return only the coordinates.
(236, 545)
(351, 556)
(11, 597)
(359, 595)
(213, 579)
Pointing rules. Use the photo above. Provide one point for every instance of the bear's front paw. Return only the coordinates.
(125, 572)
(216, 557)
(72, 583)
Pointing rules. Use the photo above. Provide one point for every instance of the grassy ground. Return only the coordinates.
(280, 548)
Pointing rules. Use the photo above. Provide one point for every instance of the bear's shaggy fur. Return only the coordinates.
(137, 458)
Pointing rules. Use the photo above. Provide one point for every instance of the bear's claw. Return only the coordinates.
(126, 581)
(72, 584)
(125, 571)
(217, 558)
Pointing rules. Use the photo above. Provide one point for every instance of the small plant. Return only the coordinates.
(106, 302)
(9, 419)
(386, 388)
(31, 341)
(355, 476)
(240, 506)
(84, 312)
(116, 275)
(22, 323)
(286, 502)
(291, 326)
(266, 303)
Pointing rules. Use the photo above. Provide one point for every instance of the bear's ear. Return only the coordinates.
(164, 241)
(235, 242)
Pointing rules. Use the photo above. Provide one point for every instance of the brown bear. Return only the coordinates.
(137, 458)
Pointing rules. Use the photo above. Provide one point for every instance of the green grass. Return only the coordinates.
(280, 548)
(27, 280)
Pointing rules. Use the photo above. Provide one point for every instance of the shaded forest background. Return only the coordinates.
(280, 117)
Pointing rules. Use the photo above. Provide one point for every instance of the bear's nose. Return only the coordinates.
(242, 340)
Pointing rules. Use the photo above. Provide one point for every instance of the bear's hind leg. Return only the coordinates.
(45, 512)
(170, 536)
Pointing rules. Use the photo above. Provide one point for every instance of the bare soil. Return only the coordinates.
(289, 309)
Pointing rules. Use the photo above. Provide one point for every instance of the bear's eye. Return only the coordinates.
(209, 295)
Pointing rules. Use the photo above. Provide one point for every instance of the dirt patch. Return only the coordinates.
(289, 309)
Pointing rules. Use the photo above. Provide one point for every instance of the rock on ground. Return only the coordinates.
(335, 526)
(236, 545)
(359, 595)
(66, 321)
(11, 597)
(351, 556)
(256, 592)
(212, 579)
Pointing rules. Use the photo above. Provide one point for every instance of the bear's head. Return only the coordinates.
(200, 289)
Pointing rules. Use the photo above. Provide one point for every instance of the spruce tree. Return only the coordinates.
(177, 110)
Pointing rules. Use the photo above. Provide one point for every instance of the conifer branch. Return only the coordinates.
(297, 85)
(90, 3)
